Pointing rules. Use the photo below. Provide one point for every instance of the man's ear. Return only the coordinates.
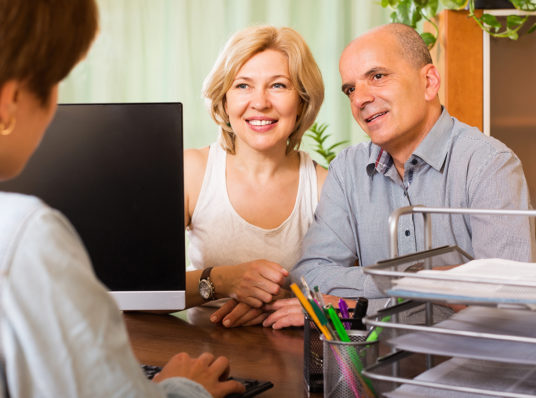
(9, 93)
(432, 81)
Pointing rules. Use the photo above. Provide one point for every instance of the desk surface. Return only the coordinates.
(254, 352)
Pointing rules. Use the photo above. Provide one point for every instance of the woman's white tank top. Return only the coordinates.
(218, 235)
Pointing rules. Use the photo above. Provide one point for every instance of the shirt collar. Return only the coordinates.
(433, 149)
(379, 160)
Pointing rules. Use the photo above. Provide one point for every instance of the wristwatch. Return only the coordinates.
(206, 287)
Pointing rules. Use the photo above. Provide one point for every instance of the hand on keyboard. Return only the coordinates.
(253, 387)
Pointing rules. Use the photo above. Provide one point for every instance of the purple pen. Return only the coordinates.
(343, 308)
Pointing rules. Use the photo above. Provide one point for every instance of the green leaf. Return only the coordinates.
(525, 5)
(331, 148)
(532, 28)
(513, 21)
(317, 132)
(393, 17)
(402, 12)
(429, 10)
(414, 14)
(454, 4)
(491, 21)
(429, 39)
(512, 34)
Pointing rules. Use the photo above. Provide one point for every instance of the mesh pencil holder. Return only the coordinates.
(313, 353)
(343, 363)
(312, 356)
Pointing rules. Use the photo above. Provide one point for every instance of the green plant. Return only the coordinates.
(411, 12)
(318, 134)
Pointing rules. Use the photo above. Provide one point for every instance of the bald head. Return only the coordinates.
(392, 85)
(410, 44)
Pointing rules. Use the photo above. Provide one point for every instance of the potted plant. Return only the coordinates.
(318, 134)
(411, 12)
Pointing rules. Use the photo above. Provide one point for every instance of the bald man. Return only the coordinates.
(418, 154)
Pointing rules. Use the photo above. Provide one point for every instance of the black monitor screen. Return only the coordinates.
(115, 171)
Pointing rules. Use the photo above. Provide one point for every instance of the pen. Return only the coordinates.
(322, 318)
(306, 288)
(343, 336)
(319, 297)
(343, 308)
(360, 311)
(307, 307)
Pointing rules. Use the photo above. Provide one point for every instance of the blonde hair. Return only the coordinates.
(304, 75)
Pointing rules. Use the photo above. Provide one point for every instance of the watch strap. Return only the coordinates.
(206, 273)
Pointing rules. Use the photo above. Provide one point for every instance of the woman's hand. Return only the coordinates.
(253, 283)
(206, 370)
(233, 314)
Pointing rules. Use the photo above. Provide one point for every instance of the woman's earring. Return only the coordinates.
(9, 129)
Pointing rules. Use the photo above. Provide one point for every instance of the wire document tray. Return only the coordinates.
(487, 349)
(415, 276)
(455, 377)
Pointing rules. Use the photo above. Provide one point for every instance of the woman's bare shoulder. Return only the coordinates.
(195, 163)
(196, 157)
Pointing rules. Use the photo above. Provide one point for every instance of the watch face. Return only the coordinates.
(205, 289)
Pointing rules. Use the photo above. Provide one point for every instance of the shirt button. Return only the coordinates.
(414, 162)
(407, 232)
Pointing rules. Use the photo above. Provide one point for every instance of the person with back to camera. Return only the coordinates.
(250, 198)
(418, 155)
(61, 333)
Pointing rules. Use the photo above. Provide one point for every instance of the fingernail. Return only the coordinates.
(227, 323)
(213, 318)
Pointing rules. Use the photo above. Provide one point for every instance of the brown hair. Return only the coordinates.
(42, 40)
(304, 75)
(412, 46)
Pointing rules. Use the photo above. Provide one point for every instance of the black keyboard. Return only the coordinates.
(253, 387)
(151, 370)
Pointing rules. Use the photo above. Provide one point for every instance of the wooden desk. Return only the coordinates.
(254, 352)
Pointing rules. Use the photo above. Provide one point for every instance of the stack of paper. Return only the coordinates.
(484, 280)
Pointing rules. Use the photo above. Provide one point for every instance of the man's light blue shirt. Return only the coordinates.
(454, 166)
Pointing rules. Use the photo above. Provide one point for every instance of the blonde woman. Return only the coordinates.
(250, 197)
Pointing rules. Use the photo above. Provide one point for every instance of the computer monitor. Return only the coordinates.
(116, 172)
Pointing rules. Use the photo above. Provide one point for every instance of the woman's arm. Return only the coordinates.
(254, 283)
(195, 164)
